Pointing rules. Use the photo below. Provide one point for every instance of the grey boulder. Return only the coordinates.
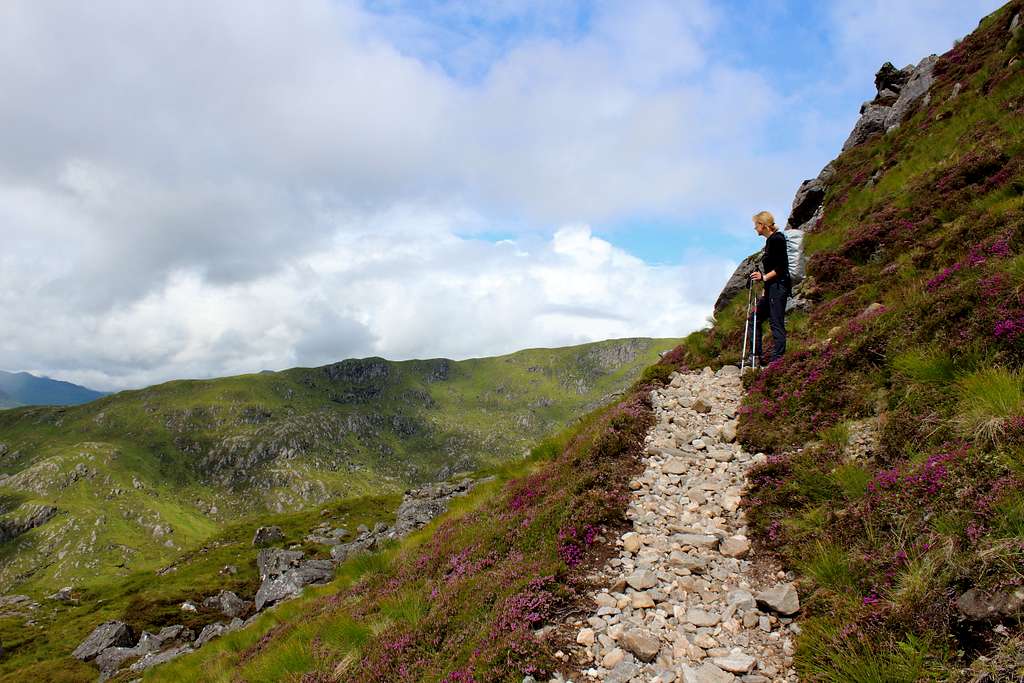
(266, 535)
(916, 88)
(227, 603)
(737, 282)
(107, 634)
(274, 561)
(291, 582)
(871, 123)
(154, 658)
(782, 599)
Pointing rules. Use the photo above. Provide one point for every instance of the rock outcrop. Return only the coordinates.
(737, 282)
(106, 635)
(420, 506)
(898, 93)
(267, 535)
(30, 518)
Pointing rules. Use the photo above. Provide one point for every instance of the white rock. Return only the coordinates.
(613, 657)
(736, 663)
(642, 579)
(699, 617)
(631, 542)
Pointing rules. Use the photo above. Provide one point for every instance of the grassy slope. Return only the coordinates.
(896, 536)
(124, 469)
(457, 601)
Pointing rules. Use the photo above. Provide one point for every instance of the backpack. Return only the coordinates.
(795, 251)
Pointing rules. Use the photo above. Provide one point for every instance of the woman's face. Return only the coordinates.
(760, 229)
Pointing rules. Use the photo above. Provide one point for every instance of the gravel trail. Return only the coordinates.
(685, 600)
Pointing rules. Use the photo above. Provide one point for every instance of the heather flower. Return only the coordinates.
(1010, 328)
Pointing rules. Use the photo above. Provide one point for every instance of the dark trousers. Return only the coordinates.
(772, 306)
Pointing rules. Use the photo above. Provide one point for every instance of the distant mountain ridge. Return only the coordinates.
(25, 389)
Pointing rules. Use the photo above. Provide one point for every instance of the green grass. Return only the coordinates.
(916, 582)
(852, 479)
(986, 398)
(1009, 521)
(928, 366)
(824, 655)
(830, 568)
(838, 435)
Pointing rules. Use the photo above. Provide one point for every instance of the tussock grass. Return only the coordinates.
(830, 568)
(986, 398)
(838, 435)
(852, 479)
(918, 580)
(927, 366)
(825, 655)
(1010, 517)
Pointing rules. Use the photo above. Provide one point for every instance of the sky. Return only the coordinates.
(199, 189)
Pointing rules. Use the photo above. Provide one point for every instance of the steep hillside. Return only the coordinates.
(895, 423)
(128, 481)
(21, 388)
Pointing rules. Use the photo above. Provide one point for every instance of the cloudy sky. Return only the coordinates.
(196, 188)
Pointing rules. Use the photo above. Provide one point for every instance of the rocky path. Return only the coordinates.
(684, 600)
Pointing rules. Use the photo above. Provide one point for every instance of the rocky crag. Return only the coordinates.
(686, 598)
(898, 93)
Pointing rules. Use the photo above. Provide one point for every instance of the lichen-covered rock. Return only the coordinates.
(977, 605)
(107, 634)
(291, 582)
(872, 122)
(227, 603)
(420, 506)
(154, 658)
(274, 561)
(916, 88)
(267, 535)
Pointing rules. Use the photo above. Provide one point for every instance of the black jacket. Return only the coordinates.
(776, 257)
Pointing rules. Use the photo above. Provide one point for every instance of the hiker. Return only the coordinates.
(774, 274)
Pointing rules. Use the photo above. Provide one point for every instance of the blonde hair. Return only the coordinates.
(765, 218)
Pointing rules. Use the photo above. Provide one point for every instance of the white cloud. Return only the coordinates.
(455, 298)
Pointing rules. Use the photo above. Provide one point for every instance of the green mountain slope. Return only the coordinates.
(129, 481)
(22, 388)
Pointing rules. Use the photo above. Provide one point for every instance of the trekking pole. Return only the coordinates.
(754, 336)
(746, 326)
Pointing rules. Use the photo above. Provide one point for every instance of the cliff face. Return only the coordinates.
(895, 423)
